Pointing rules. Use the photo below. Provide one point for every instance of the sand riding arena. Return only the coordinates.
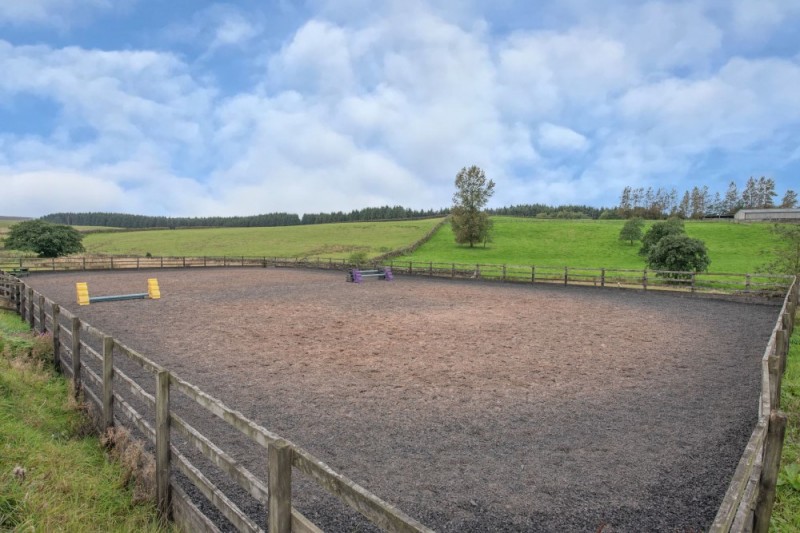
(471, 406)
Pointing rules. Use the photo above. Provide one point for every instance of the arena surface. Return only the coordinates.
(472, 406)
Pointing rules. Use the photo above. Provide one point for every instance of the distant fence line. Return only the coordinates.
(701, 282)
(92, 359)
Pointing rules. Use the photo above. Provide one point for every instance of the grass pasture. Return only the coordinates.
(321, 240)
(732, 247)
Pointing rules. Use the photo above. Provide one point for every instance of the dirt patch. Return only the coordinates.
(472, 406)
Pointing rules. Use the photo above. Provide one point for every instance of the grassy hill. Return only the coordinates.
(321, 240)
(595, 243)
(521, 241)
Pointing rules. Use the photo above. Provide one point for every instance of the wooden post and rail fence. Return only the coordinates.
(695, 282)
(746, 506)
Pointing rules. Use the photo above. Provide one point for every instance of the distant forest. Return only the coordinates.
(121, 220)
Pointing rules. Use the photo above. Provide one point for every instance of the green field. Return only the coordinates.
(595, 244)
(320, 240)
(737, 248)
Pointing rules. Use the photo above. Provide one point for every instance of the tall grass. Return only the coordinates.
(53, 473)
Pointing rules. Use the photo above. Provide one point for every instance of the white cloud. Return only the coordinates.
(384, 105)
(560, 138)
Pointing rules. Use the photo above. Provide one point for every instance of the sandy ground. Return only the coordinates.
(473, 406)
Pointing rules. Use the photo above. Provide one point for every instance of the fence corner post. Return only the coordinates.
(108, 387)
(280, 487)
(773, 446)
(163, 490)
(42, 315)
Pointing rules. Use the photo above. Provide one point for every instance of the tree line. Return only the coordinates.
(124, 220)
(698, 202)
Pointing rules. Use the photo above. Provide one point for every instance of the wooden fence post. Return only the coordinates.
(56, 337)
(566, 275)
(693, 281)
(747, 282)
(773, 446)
(774, 366)
(504, 272)
(31, 309)
(108, 376)
(782, 338)
(76, 356)
(42, 316)
(644, 279)
(602, 277)
(163, 492)
(430, 269)
(453, 270)
(533, 273)
(280, 487)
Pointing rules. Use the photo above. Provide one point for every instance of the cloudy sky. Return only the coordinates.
(198, 108)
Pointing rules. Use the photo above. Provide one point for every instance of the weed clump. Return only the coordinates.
(138, 466)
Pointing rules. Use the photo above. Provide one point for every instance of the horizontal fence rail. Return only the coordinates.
(754, 284)
(95, 360)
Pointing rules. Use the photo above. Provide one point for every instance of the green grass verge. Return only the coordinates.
(732, 247)
(320, 240)
(52, 478)
(786, 513)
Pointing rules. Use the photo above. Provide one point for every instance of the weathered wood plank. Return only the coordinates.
(301, 524)
(186, 514)
(91, 351)
(769, 472)
(135, 389)
(217, 498)
(246, 479)
(380, 513)
(733, 496)
(88, 393)
(247, 427)
(134, 417)
(108, 382)
(280, 487)
(138, 358)
(94, 378)
(163, 498)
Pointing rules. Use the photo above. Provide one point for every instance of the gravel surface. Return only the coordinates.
(472, 406)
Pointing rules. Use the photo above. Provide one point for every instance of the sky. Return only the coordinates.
(192, 108)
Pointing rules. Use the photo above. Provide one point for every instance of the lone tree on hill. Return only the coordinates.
(678, 253)
(469, 222)
(44, 238)
(632, 230)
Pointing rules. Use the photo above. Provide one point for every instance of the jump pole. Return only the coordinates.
(82, 291)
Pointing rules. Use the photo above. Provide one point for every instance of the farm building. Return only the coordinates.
(760, 215)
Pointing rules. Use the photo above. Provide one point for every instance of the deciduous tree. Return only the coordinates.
(47, 240)
(632, 230)
(470, 223)
(678, 253)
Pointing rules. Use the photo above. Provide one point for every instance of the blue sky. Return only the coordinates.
(191, 108)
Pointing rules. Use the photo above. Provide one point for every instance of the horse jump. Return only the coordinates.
(82, 291)
(356, 276)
